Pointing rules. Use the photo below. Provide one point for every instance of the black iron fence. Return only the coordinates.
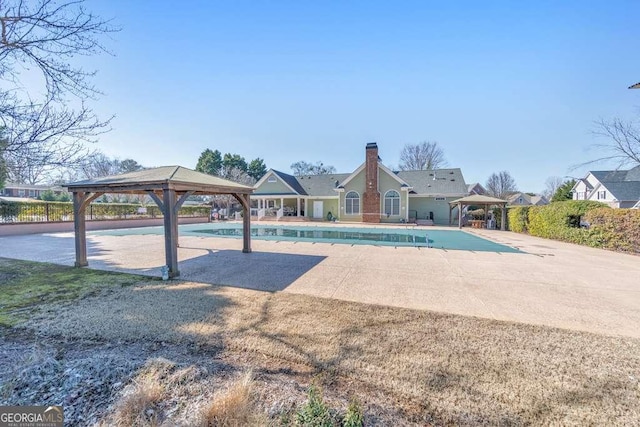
(12, 212)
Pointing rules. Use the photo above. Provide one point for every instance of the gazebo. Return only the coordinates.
(478, 200)
(169, 187)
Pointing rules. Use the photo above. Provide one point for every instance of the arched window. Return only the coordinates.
(392, 203)
(352, 203)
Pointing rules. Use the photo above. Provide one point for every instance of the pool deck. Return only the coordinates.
(552, 283)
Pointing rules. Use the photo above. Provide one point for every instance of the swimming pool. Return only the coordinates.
(413, 237)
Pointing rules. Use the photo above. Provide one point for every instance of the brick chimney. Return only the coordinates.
(371, 196)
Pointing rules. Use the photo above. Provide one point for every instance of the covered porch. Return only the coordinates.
(277, 207)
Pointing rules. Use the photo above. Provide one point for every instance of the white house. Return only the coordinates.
(617, 188)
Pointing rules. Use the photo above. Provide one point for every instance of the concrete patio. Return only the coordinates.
(552, 283)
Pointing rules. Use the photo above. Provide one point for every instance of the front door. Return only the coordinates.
(318, 208)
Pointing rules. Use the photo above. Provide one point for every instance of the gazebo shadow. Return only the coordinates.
(264, 271)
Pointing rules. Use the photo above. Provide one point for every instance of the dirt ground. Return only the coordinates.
(407, 367)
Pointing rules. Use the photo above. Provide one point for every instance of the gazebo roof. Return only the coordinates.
(177, 178)
(479, 200)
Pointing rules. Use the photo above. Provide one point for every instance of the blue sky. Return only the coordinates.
(500, 85)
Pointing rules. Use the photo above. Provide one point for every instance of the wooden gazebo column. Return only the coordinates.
(81, 200)
(245, 201)
(170, 205)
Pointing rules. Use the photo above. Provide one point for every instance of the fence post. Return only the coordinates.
(91, 212)
(46, 210)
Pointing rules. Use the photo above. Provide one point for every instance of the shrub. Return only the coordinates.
(560, 220)
(517, 218)
(315, 413)
(617, 229)
(354, 416)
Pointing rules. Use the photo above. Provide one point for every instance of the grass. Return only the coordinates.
(233, 407)
(25, 286)
(430, 368)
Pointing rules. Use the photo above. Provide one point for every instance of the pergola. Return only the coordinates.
(478, 200)
(169, 187)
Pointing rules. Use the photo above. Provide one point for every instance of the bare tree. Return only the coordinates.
(426, 155)
(501, 185)
(43, 37)
(305, 168)
(622, 144)
(551, 185)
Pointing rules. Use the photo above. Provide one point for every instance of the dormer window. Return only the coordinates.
(272, 178)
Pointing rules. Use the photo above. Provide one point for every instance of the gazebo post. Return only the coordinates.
(245, 201)
(459, 215)
(80, 202)
(170, 231)
(79, 225)
(450, 214)
(503, 226)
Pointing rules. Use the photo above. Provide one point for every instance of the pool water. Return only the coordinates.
(412, 237)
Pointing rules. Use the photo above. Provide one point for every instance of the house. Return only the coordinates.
(476, 188)
(372, 193)
(524, 199)
(28, 191)
(617, 188)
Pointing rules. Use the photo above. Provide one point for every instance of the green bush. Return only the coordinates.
(560, 220)
(315, 412)
(354, 416)
(617, 229)
(517, 218)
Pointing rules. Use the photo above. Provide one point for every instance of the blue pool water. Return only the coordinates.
(419, 237)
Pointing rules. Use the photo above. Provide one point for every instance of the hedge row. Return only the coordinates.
(617, 229)
(63, 211)
(578, 221)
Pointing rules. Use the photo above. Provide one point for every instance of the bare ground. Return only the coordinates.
(407, 367)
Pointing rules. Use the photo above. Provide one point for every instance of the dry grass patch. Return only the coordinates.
(139, 403)
(233, 407)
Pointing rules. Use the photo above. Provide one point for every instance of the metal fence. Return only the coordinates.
(20, 212)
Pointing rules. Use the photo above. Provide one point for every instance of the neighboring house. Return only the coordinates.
(28, 191)
(524, 199)
(618, 189)
(476, 188)
(371, 193)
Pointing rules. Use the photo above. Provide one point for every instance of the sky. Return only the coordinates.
(507, 85)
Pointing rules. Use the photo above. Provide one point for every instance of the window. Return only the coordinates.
(440, 198)
(352, 203)
(520, 200)
(392, 203)
(272, 178)
(21, 192)
(602, 195)
(32, 193)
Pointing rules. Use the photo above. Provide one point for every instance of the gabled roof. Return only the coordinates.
(475, 187)
(291, 181)
(515, 196)
(539, 200)
(624, 191)
(176, 177)
(435, 182)
(617, 175)
(322, 185)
